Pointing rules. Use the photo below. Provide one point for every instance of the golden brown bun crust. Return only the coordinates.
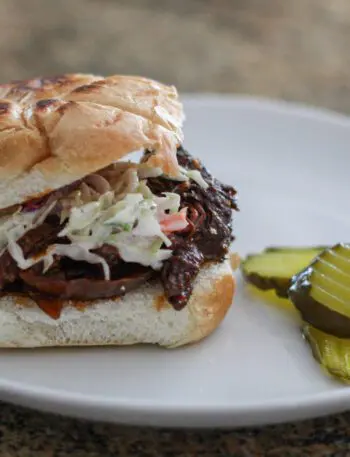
(142, 316)
(54, 131)
(211, 308)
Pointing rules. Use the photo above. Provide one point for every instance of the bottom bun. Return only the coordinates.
(142, 316)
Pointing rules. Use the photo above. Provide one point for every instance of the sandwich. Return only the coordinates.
(97, 249)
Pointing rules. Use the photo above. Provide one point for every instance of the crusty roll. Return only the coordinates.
(54, 131)
(77, 225)
(141, 316)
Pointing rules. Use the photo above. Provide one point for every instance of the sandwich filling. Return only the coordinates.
(115, 230)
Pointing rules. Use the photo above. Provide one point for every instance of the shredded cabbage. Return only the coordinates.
(143, 250)
(81, 253)
(145, 171)
(196, 176)
(73, 251)
(170, 202)
(132, 225)
(14, 226)
(144, 190)
(135, 225)
(16, 252)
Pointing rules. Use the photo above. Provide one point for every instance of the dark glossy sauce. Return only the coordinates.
(52, 307)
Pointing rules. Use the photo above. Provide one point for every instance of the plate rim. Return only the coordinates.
(278, 411)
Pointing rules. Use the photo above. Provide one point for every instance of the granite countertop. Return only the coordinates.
(24, 433)
(296, 50)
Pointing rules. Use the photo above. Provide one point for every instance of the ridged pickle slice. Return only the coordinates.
(321, 292)
(274, 267)
(331, 352)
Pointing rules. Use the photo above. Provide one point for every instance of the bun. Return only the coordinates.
(142, 316)
(54, 131)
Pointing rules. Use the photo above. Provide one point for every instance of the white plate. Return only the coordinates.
(291, 166)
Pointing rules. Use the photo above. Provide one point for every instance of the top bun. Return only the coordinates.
(54, 131)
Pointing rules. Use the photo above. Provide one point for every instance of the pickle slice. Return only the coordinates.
(331, 352)
(321, 292)
(275, 266)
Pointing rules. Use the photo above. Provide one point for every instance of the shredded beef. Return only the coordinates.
(57, 194)
(210, 228)
(8, 269)
(84, 288)
(179, 274)
(32, 243)
(109, 253)
(38, 239)
(206, 238)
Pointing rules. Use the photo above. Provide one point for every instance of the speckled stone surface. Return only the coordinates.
(296, 50)
(25, 433)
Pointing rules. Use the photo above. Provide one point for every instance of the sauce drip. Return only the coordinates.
(52, 307)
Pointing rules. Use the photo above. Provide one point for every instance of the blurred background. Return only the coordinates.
(296, 50)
